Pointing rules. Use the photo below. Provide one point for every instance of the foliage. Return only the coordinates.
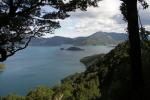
(143, 32)
(113, 72)
(116, 74)
(123, 7)
(17, 16)
(12, 97)
(21, 20)
(40, 93)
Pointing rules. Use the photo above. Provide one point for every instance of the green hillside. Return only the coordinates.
(111, 70)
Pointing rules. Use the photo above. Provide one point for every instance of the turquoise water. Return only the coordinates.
(36, 66)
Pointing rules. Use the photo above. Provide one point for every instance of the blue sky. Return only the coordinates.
(106, 18)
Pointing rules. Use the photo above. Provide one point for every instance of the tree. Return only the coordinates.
(130, 12)
(17, 15)
(19, 24)
(135, 48)
(21, 20)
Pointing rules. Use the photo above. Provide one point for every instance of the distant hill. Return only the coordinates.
(103, 38)
(54, 41)
(98, 38)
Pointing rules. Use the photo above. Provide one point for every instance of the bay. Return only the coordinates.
(38, 66)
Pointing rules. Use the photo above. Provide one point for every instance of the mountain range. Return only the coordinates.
(98, 38)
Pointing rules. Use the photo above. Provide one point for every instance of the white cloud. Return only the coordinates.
(106, 17)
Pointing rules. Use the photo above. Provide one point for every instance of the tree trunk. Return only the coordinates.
(11, 7)
(3, 54)
(135, 49)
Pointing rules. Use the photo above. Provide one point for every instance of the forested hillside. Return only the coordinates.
(111, 70)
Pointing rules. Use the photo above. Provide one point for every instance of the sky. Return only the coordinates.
(106, 18)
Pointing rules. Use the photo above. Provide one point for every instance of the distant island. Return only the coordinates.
(75, 49)
(72, 48)
(98, 38)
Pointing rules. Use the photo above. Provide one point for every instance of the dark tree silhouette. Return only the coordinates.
(135, 48)
(18, 16)
(130, 12)
(19, 22)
